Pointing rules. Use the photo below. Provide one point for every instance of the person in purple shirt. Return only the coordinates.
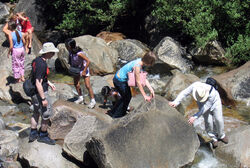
(79, 59)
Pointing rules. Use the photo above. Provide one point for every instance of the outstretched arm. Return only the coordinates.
(150, 88)
(5, 29)
(11, 44)
(181, 96)
(139, 85)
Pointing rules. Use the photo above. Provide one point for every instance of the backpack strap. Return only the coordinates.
(211, 89)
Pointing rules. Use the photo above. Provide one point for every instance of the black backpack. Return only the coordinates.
(212, 82)
(29, 86)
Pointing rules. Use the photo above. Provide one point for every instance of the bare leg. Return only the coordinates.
(77, 85)
(88, 86)
(44, 125)
(30, 36)
(34, 120)
(25, 35)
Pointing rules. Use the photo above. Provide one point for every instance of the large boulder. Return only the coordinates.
(154, 135)
(10, 164)
(159, 83)
(237, 151)
(2, 124)
(66, 114)
(111, 36)
(41, 155)
(236, 83)
(84, 128)
(178, 83)
(129, 49)
(172, 55)
(63, 92)
(212, 53)
(9, 145)
(4, 12)
(102, 57)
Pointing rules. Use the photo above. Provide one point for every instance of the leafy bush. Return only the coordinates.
(239, 51)
(79, 17)
(10, 1)
(205, 20)
(192, 22)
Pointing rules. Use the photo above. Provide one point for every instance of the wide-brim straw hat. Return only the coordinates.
(48, 47)
(200, 92)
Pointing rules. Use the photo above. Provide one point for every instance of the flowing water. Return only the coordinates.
(205, 159)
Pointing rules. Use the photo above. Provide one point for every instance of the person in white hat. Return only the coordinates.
(209, 103)
(41, 100)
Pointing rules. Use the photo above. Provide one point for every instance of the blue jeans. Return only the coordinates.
(121, 106)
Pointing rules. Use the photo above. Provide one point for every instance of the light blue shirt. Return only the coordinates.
(123, 72)
(14, 39)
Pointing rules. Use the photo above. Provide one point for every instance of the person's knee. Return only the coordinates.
(77, 85)
(46, 115)
(88, 86)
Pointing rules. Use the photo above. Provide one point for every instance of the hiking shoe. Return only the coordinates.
(215, 144)
(224, 140)
(130, 108)
(80, 100)
(33, 135)
(91, 104)
(47, 140)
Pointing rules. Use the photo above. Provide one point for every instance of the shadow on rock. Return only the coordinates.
(88, 160)
(10, 80)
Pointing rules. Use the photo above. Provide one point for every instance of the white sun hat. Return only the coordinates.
(200, 92)
(48, 47)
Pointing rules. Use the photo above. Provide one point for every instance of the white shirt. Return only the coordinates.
(213, 102)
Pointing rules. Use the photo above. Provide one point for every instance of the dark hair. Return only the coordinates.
(12, 25)
(105, 90)
(72, 44)
(149, 58)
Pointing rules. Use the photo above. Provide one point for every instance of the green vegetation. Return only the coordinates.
(192, 22)
(205, 20)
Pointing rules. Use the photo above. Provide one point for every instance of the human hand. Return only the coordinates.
(45, 103)
(152, 93)
(191, 120)
(53, 87)
(172, 104)
(83, 73)
(147, 98)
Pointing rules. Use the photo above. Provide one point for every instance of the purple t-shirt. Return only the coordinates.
(79, 62)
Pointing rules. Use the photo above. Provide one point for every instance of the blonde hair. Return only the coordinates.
(12, 17)
(23, 14)
(149, 58)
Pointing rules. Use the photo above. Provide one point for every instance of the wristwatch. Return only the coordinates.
(43, 99)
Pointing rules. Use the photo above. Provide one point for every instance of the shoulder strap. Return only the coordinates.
(211, 90)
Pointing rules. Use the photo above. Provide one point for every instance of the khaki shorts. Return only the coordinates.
(45, 112)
